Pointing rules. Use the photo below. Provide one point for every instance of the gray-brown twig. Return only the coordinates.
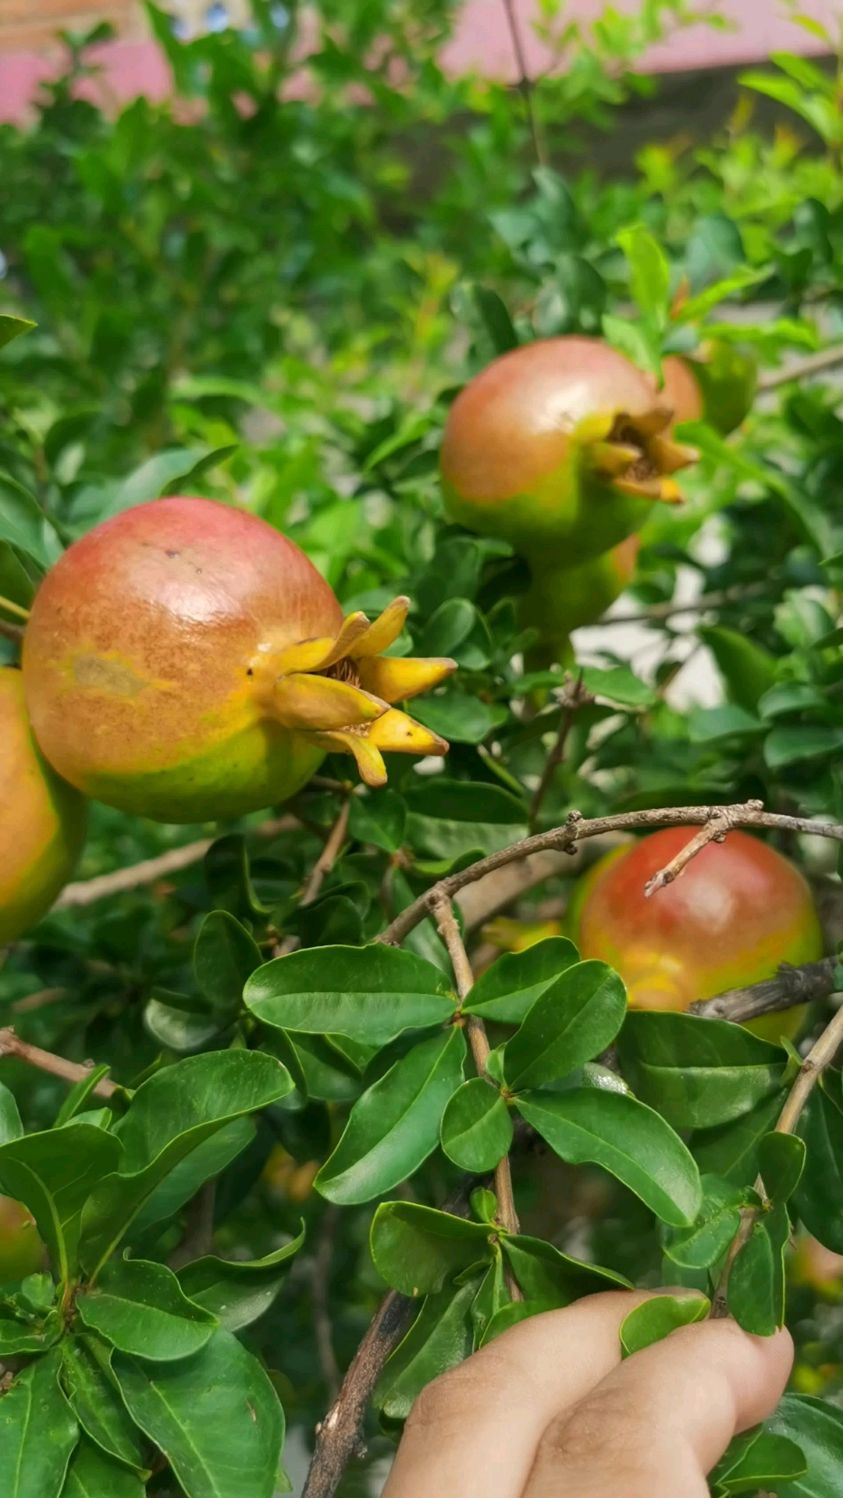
(789, 987)
(57, 1066)
(525, 82)
(87, 891)
(800, 369)
(818, 1059)
(479, 1042)
(714, 831)
(322, 867)
(11, 631)
(576, 828)
(571, 697)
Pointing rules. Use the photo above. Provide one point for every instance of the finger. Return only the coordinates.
(658, 1423)
(474, 1430)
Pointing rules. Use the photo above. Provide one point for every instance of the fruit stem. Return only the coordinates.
(478, 1040)
(57, 1066)
(322, 867)
(818, 1059)
(13, 608)
(572, 696)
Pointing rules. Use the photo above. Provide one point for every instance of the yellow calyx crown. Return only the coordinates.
(338, 692)
(636, 454)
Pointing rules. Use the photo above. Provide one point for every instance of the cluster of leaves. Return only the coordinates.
(289, 339)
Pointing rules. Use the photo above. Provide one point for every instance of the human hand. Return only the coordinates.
(548, 1410)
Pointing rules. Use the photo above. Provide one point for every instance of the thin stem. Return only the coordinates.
(790, 986)
(87, 891)
(818, 1059)
(525, 82)
(57, 1066)
(478, 1040)
(572, 697)
(322, 867)
(658, 611)
(11, 631)
(13, 608)
(798, 369)
(576, 828)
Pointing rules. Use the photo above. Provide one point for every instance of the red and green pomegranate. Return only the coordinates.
(42, 827)
(738, 910)
(559, 447)
(717, 384)
(185, 661)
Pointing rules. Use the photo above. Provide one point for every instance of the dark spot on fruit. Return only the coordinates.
(249, 671)
(171, 553)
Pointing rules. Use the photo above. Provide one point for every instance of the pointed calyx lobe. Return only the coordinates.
(186, 661)
(560, 444)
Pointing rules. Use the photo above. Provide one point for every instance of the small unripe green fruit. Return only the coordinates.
(186, 661)
(561, 599)
(718, 385)
(43, 821)
(736, 912)
(560, 448)
(21, 1249)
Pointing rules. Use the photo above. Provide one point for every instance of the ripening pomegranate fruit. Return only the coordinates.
(21, 1249)
(185, 661)
(559, 447)
(738, 911)
(718, 384)
(42, 826)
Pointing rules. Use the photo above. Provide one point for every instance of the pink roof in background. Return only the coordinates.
(482, 43)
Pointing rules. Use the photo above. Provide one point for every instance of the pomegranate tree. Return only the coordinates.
(185, 661)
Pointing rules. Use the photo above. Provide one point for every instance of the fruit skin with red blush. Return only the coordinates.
(559, 447)
(737, 912)
(43, 822)
(186, 661)
(21, 1249)
(717, 384)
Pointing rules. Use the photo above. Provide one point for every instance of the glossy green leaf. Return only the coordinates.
(10, 1119)
(819, 1196)
(80, 1094)
(215, 1416)
(54, 1173)
(709, 1236)
(140, 1307)
(448, 819)
(655, 1319)
(92, 1474)
(224, 955)
(166, 472)
(90, 1388)
(781, 1160)
(379, 818)
(816, 1426)
(24, 524)
(756, 1289)
(492, 1294)
(511, 1315)
(171, 1114)
(418, 1249)
(697, 1072)
(27, 1335)
(12, 327)
(229, 879)
(476, 1127)
(395, 1125)
(238, 1291)
(544, 1273)
(575, 1018)
(207, 1159)
(508, 988)
(177, 1028)
(731, 1150)
(628, 1139)
(747, 670)
(755, 1460)
(439, 1339)
(37, 1432)
(371, 993)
